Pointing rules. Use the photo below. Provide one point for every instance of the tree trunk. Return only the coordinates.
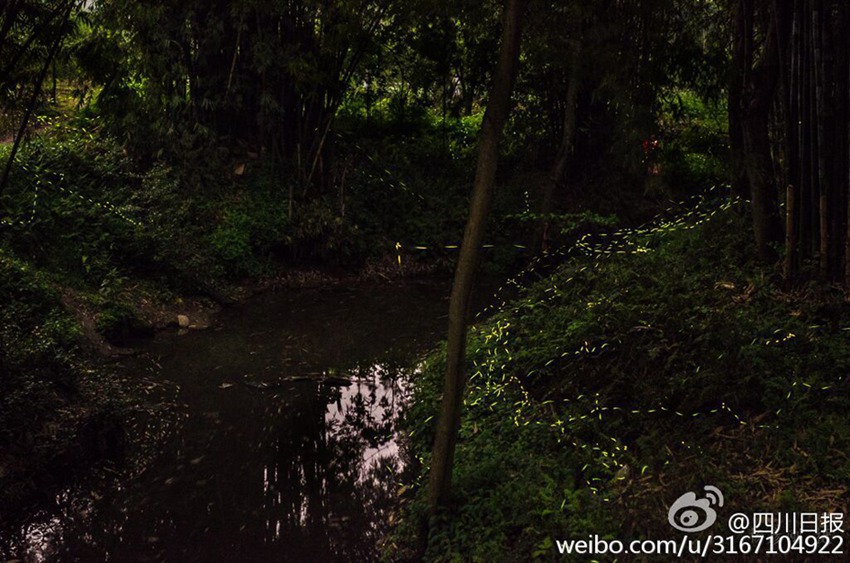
(565, 151)
(759, 86)
(485, 175)
(765, 202)
(816, 152)
(847, 164)
(740, 186)
(823, 193)
(788, 271)
(785, 21)
(804, 191)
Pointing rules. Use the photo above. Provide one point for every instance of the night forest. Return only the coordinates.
(423, 280)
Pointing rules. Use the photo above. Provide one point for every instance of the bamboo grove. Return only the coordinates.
(273, 76)
(789, 102)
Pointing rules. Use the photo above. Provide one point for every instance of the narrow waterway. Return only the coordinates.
(281, 444)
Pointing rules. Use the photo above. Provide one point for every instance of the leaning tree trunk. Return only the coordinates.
(39, 83)
(482, 194)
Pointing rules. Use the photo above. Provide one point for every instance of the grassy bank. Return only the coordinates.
(60, 412)
(639, 370)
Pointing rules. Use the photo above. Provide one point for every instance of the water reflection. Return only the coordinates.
(329, 477)
(285, 449)
(40, 540)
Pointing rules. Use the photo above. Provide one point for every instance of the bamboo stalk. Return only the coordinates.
(233, 63)
(790, 235)
(823, 208)
(847, 191)
(803, 188)
(811, 138)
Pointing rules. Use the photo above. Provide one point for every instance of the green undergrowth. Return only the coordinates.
(77, 206)
(118, 230)
(58, 411)
(650, 363)
(216, 218)
(39, 345)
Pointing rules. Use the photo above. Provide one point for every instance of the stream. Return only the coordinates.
(281, 442)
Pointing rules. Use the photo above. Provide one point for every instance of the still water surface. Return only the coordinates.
(281, 444)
